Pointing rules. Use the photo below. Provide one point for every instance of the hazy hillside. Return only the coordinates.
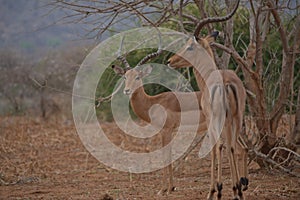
(25, 25)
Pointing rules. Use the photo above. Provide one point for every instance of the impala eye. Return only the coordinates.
(137, 78)
(124, 77)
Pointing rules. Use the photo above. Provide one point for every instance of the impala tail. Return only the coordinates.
(219, 107)
(232, 106)
(217, 117)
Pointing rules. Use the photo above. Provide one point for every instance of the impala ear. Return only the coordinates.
(118, 70)
(212, 37)
(146, 71)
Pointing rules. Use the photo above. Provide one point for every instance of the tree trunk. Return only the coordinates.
(42, 103)
(225, 58)
(296, 132)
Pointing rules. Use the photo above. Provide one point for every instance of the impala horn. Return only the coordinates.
(209, 20)
(122, 57)
(152, 55)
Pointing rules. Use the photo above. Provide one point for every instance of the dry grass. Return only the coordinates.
(46, 160)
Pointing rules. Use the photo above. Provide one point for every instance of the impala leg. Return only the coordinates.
(236, 175)
(167, 183)
(170, 167)
(170, 185)
(164, 188)
(243, 149)
(219, 181)
(230, 147)
(244, 181)
(212, 189)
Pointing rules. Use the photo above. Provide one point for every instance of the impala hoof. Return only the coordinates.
(210, 195)
(165, 191)
(162, 192)
(244, 182)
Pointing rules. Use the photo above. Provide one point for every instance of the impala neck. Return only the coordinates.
(200, 80)
(140, 103)
(203, 65)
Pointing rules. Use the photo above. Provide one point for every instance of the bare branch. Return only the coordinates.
(44, 85)
(181, 17)
(274, 163)
(108, 98)
(297, 156)
(282, 31)
(259, 43)
(236, 56)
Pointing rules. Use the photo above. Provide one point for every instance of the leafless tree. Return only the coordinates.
(52, 78)
(263, 17)
(26, 84)
(98, 17)
(296, 132)
(12, 87)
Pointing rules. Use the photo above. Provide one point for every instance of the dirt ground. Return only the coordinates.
(46, 160)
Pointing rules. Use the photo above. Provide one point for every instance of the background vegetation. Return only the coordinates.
(261, 43)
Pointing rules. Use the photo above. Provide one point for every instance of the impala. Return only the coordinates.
(143, 104)
(223, 96)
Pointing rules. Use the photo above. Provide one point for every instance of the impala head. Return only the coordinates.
(132, 77)
(195, 46)
(192, 49)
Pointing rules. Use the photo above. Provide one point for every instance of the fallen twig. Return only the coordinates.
(269, 160)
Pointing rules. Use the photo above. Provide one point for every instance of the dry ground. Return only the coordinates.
(46, 160)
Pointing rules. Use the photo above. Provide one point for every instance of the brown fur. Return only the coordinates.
(200, 57)
(142, 102)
